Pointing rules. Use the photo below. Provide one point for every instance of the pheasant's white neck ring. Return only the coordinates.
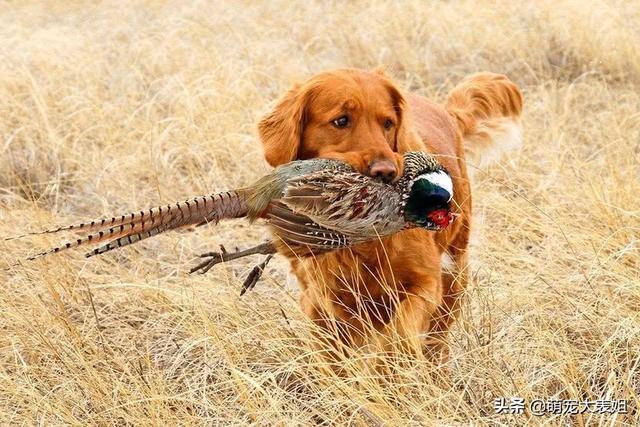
(440, 179)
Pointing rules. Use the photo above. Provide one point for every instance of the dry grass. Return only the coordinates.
(115, 106)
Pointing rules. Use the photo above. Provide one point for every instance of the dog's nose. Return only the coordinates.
(383, 169)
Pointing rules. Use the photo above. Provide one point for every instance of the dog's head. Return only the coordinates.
(349, 115)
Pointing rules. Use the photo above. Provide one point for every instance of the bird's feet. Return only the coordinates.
(254, 275)
(214, 258)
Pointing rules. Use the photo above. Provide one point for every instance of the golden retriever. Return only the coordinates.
(411, 281)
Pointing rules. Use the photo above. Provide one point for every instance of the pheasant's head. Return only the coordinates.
(427, 192)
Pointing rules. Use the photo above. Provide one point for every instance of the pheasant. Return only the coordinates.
(311, 206)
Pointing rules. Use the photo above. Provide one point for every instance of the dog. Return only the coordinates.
(410, 283)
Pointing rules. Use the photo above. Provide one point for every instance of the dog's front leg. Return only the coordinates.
(413, 317)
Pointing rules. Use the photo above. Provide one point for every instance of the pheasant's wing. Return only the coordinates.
(300, 232)
(353, 204)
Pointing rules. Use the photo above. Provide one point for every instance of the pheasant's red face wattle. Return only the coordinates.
(441, 217)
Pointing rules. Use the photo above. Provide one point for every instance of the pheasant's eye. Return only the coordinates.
(388, 124)
(342, 122)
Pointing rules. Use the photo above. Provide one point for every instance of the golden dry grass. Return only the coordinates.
(115, 106)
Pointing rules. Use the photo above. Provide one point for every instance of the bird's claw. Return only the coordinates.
(215, 258)
(223, 251)
(254, 275)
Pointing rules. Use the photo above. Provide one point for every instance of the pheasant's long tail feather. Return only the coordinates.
(98, 224)
(126, 240)
(145, 224)
(179, 220)
(102, 235)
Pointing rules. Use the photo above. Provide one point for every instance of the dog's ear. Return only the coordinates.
(281, 130)
(405, 138)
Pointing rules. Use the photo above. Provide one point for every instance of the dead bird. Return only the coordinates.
(311, 206)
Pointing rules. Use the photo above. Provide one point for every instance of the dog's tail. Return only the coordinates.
(487, 110)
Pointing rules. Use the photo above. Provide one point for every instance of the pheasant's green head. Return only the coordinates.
(427, 192)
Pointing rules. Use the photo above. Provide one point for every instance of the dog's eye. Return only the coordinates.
(341, 122)
(388, 124)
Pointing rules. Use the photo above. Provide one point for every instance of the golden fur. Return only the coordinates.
(397, 282)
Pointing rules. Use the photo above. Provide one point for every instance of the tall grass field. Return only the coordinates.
(109, 107)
